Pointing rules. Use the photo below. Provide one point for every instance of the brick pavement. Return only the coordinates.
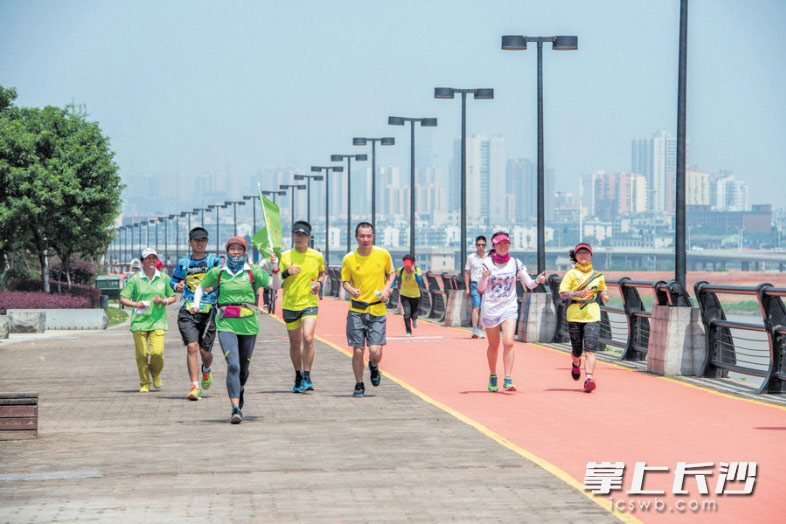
(107, 453)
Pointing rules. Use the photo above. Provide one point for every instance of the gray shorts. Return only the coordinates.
(365, 329)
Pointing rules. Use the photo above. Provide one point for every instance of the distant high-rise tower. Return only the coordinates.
(485, 178)
(655, 158)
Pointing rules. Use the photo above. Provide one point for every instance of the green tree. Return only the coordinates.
(59, 185)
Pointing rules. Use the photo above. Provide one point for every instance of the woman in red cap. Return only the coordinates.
(237, 323)
(500, 308)
(580, 287)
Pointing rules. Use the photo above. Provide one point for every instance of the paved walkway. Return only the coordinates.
(107, 453)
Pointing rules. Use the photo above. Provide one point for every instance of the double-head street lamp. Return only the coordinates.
(217, 207)
(201, 209)
(339, 158)
(273, 193)
(153, 221)
(424, 122)
(235, 203)
(385, 141)
(293, 187)
(327, 169)
(479, 94)
(558, 43)
(308, 197)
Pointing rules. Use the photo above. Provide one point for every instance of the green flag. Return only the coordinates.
(268, 239)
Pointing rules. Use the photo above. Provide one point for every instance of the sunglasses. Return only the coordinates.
(480, 244)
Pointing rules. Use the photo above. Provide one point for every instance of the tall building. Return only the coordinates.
(727, 193)
(521, 182)
(655, 157)
(617, 194)
(485, 178)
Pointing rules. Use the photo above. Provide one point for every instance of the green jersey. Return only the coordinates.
(140, 289)
(237, 289)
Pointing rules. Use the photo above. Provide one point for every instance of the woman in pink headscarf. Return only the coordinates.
(499, 311)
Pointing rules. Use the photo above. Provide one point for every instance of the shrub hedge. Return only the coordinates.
(30, 300)
(92, 294)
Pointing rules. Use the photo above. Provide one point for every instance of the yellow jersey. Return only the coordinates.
(368, 274)
(590, 312)
(297, 288)
(409, 282)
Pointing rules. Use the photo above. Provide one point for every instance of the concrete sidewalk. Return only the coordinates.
(106, 453)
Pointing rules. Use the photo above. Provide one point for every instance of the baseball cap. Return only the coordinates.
(197, 233)
(301, 227)
(236, 240)
(148, 251)
(582, 246)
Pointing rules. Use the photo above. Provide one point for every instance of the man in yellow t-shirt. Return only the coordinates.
(581, 286)
(367, 275)
(409, 279)
(303, 271)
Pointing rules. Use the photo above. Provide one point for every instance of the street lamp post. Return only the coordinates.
(339, 158)
(327, 170)
(273, 193)
(424, 122)
(253, 198)
(385, 141)
(292, 187)
(479, 94)
(308, 197)
(558, 43)
(235, 203)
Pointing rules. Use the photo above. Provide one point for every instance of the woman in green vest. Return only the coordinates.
(148, 292)
(237, 323)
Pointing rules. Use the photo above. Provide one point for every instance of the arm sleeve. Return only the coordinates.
(211, 278)
(523, 275)
(177, 275)
(419, 278)
(388, 265)
(396, 280)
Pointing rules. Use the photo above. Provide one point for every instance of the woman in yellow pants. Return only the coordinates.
(148, 292)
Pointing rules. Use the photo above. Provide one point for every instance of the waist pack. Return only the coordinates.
(236, 311)
(203, 308)
(357, 304)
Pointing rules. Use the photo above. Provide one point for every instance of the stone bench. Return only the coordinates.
(38, 320)
(18, 416)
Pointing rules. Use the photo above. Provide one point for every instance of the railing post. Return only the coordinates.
(774, 314)
(711, 309)
(631, 302)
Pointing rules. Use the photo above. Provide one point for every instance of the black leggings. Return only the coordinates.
(583, 336)
(411, 309)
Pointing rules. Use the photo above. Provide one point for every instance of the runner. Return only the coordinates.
(409, 278)
(236, 317)
(473, 270)
(198, 330)
(303, 271)
(367, 275)
(580, 287)
(148, 292)
(500, 304)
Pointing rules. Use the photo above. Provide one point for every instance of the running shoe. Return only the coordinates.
(493, 383)
(414, 322)
(145, 388)
(242, 400)
(237, 416)
(375, 377)
(475, 333)
(481, 333)
(408, 334)
(298, 387)
(307, 384)
(360, 390)
(207, 380)
(507, 385)
(589, 385)
(195, 394)
(575, 371)
(157, 382)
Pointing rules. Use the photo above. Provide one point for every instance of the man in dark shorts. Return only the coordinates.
(367, 275)
(198, 330)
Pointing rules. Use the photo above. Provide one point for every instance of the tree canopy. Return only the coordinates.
(59, 185)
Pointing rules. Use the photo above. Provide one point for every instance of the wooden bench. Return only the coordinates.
(18, 416)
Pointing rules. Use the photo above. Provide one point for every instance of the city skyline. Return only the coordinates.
(244, 95)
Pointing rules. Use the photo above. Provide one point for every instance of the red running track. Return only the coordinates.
(631, 417)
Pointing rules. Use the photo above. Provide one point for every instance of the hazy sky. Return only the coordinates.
(202, 86)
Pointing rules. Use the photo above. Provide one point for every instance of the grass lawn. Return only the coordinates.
(116, 316)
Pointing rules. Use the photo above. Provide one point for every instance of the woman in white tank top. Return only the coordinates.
(499, 311)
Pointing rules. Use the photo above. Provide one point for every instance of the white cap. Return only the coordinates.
(148, 251)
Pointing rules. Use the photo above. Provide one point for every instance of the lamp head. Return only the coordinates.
(336, 158)
(444, 92)
(361, 157)
(565, 43)
(395, 121)
(484, 94)
(317, 177)
(316, 168)
(428, 122)
(388, 141)
(338, 169)
(301, 186)
(514, 42)
(359, 141)
(300, 177)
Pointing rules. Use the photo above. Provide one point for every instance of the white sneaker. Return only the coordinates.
(408, 334)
